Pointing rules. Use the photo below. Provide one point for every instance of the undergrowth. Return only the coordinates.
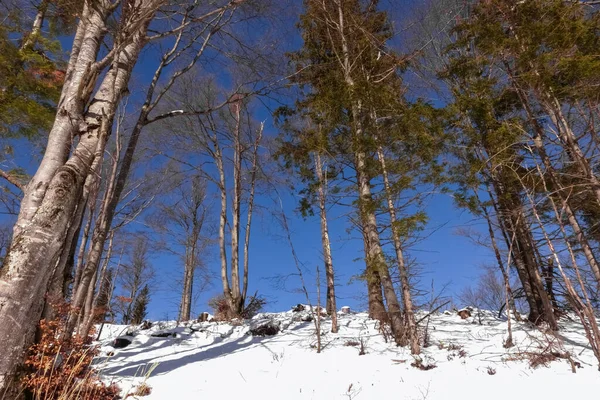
(60, 368)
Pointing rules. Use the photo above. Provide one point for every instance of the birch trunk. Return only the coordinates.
(582, 307)
(36, 28)
(572, 148)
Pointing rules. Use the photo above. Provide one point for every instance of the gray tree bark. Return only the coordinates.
(54, 192)
(331, 306)
(411, 325)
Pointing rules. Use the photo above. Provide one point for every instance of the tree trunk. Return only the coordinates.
(583, 308)
(375, 258)
(70, 120)
(253, 176)
(331, 306)
(236, 301)
(36, 28)
(513, 214)
(572, 148)
(222, 218)
(510, 301)
(411, 325)
(112, 87)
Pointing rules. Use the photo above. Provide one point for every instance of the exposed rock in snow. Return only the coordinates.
(265, 328)
(298, 308)
(121, 342)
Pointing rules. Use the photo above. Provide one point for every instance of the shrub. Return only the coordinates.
(60, 368)
(222, 311)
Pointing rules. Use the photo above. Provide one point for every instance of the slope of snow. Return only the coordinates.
(222, 361)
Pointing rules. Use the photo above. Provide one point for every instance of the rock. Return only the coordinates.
(203, 317)
(298, 308)
(120, 343)
(464, 313)
(345, 310)
(146, 325)
(265, 328)
(164, 334)
(321, 311)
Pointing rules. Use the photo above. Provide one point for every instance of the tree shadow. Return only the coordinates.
(189, 356)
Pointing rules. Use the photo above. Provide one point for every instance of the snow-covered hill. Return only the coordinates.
(223, 361)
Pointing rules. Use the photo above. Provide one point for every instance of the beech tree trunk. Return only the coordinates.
(114, 84)
(53, 194)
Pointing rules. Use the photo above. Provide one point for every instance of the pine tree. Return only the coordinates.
(352, 98)
(140, 306)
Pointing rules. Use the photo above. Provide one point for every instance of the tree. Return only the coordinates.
(95, 82)
(133, 277)
(228, 141)
(140, 305)
(184, 222)
(348, 73)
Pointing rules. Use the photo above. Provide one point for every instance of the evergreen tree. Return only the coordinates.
(140, 306)
(352, 98)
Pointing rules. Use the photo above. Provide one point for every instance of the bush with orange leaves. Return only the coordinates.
(60, 368)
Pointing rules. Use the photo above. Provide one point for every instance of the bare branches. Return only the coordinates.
(12, 179)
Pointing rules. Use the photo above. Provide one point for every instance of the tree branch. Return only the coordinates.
(12, 179)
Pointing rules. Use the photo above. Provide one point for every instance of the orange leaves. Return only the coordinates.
(60, 368)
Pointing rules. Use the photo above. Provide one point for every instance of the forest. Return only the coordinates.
(166, 158)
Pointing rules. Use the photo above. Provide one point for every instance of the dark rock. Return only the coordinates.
(120, 343)
(298, 308)
(464, 313)
(203, 317)
(146, 325)
(164, 334)
(265, 328)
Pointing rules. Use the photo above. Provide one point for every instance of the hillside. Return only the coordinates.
(210, 360)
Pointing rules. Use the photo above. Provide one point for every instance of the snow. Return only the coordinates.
(211, 360)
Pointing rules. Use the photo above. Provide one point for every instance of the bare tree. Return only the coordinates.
(133, 276)
(184, 221)
(94, 84)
